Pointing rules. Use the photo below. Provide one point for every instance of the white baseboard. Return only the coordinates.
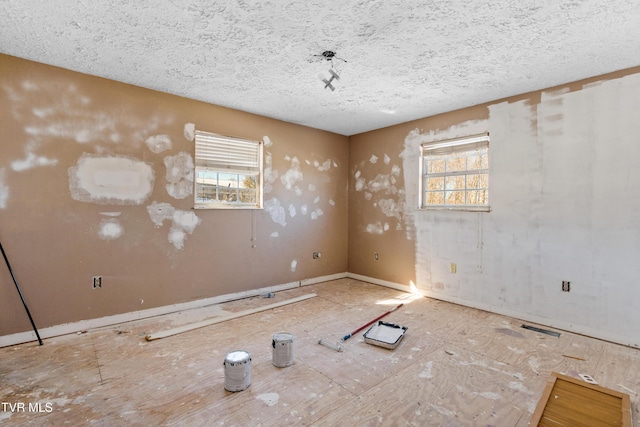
(564, 326)
(83, 325)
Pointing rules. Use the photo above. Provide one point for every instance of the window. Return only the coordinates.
(455, 174)
(228, 172)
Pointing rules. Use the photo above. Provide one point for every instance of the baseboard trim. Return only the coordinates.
(83, 325)
(526, 317)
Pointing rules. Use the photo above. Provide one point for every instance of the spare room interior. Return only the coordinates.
(319, 213)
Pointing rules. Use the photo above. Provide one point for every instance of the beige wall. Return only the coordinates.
(564, 186)
(58, 234)
(564, 180)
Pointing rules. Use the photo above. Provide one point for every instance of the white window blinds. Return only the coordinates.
(456, 145)
(224, 153)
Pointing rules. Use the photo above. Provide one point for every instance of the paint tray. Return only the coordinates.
(383, 334)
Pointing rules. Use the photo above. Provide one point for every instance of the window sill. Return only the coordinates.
(227, 207)
(457, 208)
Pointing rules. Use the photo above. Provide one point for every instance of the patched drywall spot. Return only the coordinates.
(275, 234)
(324, 166)
(303, 209)
(32, 161)
(331, 202)
(273, 207)
(189, 131)
(183, 222)
(293, 175)
(4, 189)
(267, 141)
(159, 212)
(111, 214)
(383, 194)
(294, 265)
(110, 229)
(179, 175)
(292, 211)
(269, 174)
(376, 228)
(159, 143)
(111, 180)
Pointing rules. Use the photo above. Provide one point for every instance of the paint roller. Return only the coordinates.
(339, 347)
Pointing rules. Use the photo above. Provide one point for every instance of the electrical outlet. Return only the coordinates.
(376, 256)
(317, 255)
(566, 286)
(453, 267)
(97, 282)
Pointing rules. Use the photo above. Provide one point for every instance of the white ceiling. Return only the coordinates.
(405, 59)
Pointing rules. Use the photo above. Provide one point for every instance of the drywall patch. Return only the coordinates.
(292, 210)
(267, 141)
(159, 143)
(275, 234)
(273, 207)
(32, 161)
(294, 265)
(373, 159)
(4, 189)
(293, 175)
(111, 180)
(159, 212)
(183, 222)
(189, 131)
(269, 174)
(179, 175)
(110, 229)
(376, 228)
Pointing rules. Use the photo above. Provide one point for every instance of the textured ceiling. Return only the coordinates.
(405, 59)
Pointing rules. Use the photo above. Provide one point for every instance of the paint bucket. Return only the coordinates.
(282, 344)
(237, 370)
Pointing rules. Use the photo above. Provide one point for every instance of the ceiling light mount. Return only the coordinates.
(328, 54)
(334, 73)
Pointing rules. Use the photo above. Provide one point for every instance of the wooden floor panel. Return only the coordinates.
(456, 366)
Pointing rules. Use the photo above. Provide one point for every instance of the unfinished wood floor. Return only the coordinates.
(456, 366)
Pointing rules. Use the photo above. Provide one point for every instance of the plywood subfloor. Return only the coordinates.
(456, 366)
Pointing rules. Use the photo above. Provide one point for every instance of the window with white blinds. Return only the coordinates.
(228, 172)
(455, 173)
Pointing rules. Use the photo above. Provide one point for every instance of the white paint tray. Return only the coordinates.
(383, 334)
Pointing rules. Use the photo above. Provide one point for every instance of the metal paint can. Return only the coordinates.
(237, 370)
(282, 344)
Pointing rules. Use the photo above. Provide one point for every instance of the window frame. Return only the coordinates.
(453, 148)
(216, 154)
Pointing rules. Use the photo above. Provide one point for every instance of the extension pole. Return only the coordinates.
(20, 293)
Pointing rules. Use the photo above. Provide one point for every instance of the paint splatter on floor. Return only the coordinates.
(269, 399)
